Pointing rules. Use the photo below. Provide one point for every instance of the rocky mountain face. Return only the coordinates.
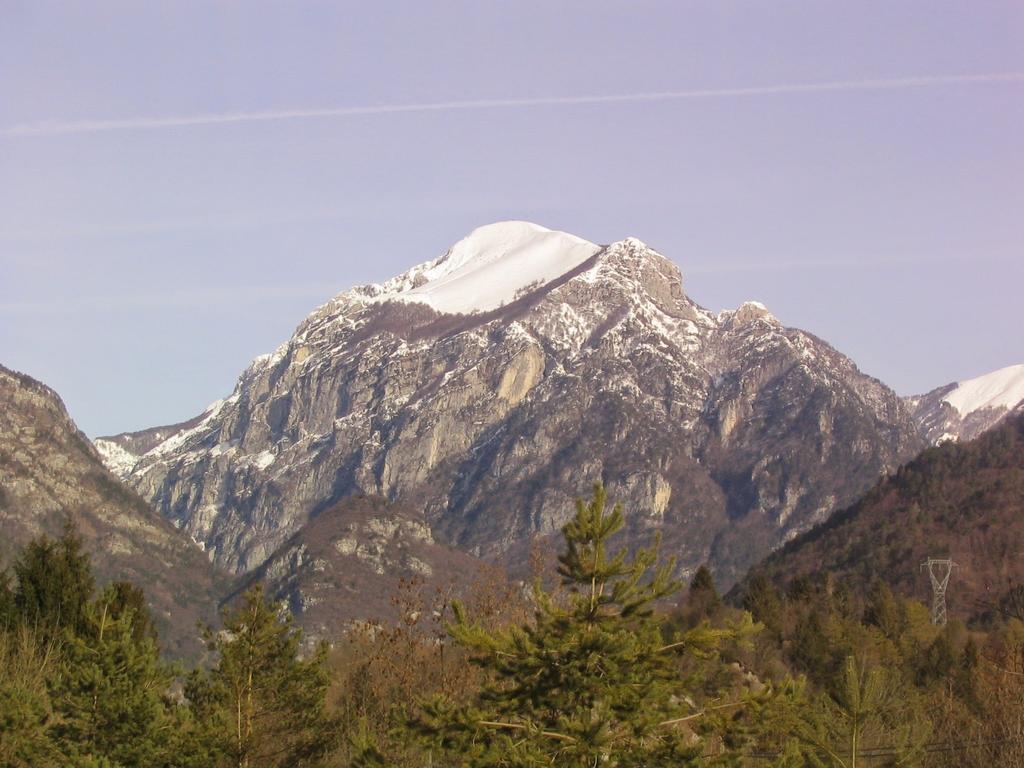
(487, 389)
(344, 567)
(963, 410)
(50, 473)
(963, 501)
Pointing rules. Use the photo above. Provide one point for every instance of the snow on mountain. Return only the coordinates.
(965, 409)
(115, 457)
(1000, 389)
(494, 264)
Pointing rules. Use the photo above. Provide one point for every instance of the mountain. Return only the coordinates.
(963, 501)
(345, 566)
(488, 388)
(963, 410)
(50, 473)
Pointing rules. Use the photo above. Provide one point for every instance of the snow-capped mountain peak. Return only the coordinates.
(964, 409)
(747, 312)
(490, 267)
(1000, 389)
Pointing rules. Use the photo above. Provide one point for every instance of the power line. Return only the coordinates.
(887, 751)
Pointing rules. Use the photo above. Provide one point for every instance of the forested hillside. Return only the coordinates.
(963, 501)
(587, 670)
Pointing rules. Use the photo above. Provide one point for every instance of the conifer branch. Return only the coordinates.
(703, 712)
(521, 727)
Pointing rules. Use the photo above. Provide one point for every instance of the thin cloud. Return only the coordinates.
(806, 265)
(151, 123)
(726, 268)
(170, 299)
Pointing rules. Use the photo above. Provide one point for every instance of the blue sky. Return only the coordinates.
(144, 264)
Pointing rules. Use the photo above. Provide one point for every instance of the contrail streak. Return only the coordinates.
(144, 123)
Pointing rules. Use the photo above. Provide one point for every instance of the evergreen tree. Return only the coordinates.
(703, 598)
(884, 611)
(812, 650)
(125, 599)
(261, 706)
(764, 602)
(26, 664)
(867, 715)
(54, 582)
(591, 682)
(939, 660)
(110, 695)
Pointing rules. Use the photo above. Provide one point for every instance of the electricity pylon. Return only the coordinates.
(938, 572)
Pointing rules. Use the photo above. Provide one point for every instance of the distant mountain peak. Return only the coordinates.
(964, 409)
(490, 267)
(999, 389)
(747, 312)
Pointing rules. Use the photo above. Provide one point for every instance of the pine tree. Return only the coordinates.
(261, 706)
(125, 599)
(110, 696)
(54, 582)
(764, 601)
(703, 598)
(868, 712)
(591, 682)
(884, 611)
(26, 715)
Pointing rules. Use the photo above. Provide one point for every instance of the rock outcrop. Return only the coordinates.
(348, 565)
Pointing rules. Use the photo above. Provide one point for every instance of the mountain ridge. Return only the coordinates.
(492, 422)
(51, 474)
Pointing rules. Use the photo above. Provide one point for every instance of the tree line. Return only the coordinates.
(611, 661)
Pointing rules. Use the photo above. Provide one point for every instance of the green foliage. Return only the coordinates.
(261, 706)
(110, 690)
(868, 714)
(938, 662)
(590, 681)
(26, 664)
(703, 599)
(54, 582)
(764, 602)
(884, 611)
(7, 612)
(124, 599)
(812, 649)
